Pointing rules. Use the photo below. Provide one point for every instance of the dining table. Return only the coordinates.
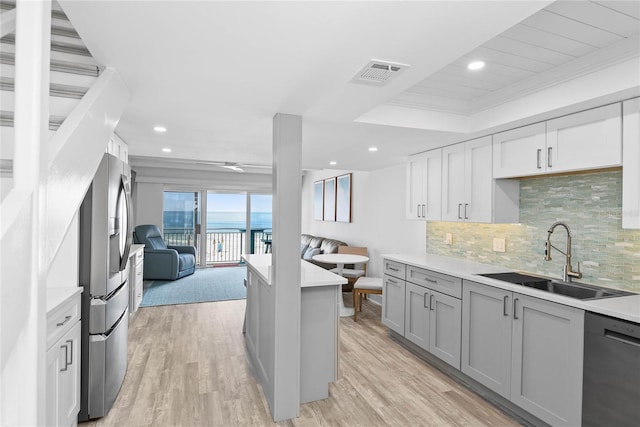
(340, 260)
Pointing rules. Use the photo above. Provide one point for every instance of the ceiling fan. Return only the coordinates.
(234, 166)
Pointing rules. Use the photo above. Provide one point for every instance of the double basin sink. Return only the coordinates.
(576, 290)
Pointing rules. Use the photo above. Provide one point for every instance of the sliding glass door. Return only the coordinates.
(236, 223)
(181, 218)
(226, 227)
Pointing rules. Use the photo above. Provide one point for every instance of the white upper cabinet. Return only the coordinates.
(424, 185)
(519, 152)
(469, 192)
(631, 164)
(587, 140)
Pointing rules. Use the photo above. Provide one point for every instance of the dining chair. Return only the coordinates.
(365, 286)
(358, 270)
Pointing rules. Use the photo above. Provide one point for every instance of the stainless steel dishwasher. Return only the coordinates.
(611, 384)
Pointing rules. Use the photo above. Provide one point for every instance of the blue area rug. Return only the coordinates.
(205, 285)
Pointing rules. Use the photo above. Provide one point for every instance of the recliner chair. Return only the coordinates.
(162, 262)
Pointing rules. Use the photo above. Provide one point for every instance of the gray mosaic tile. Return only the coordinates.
(591, 204)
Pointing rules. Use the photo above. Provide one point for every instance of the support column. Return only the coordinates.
(287, 202)
(23, 243)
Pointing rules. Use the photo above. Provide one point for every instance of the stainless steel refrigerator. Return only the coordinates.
(105, 240)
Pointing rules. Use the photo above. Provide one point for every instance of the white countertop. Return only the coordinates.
(625, 307)
(56, 296)
(310, 274)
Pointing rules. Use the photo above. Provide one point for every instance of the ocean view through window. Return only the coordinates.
(224, 239)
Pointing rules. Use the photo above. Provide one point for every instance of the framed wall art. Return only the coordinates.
(318, 200)
(330, 199)
(343, 198)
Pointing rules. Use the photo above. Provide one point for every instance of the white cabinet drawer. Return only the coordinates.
(438, 282)
(62, 318)
(395, 269)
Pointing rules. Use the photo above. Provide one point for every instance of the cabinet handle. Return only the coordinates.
(430, 280)
(424, 211)
(70, 362)
(431, 302)
(466, 205)
(515, 308)
(549, 152)
(538, 155)
(504, 305)
(66, 319)
(66, 356)
(418, 211)
(392, 281)
(424, 300)
(393, 269)
(459, 207)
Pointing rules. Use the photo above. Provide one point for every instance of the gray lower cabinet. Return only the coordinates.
(526, 349)
(433, 322)
(416, 315)
(393, 290)
(486, 336)
(445, 328)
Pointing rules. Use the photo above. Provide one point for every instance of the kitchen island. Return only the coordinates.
(319, 324)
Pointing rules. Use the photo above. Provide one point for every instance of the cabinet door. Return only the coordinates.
(478, 186)
(486, 336)
(631, 164)
(63, 379)
(416, 166)
(547, 352)
(432, 185)
(445, 328)
(519, 152)
(453, 178)
(587, 140)
(393, 303)
(416, 321)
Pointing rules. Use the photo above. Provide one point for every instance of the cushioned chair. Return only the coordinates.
(163, 262)
(354, 272)
(364, 286)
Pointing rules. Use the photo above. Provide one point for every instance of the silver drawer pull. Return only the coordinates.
(539, 152)
(66, 319)
(431, 302)
(430, 280)
(393, 269)
(392, 281)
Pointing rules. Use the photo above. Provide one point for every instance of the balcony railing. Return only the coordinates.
(223, 246)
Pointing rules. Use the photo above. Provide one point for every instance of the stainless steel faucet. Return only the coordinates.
(568, 269)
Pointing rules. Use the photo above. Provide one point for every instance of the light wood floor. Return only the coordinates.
(187, 367)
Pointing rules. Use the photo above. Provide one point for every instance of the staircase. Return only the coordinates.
(73, 72)
(45, 172)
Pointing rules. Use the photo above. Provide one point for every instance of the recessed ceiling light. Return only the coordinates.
(333, 163)
(372, 149)
(160, 129)
(166, 150)
(476, 65)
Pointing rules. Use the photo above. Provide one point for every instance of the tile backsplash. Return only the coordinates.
(591, 204)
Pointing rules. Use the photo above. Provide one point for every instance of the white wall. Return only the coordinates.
(378, 215)
(148, 204)
(64, 267)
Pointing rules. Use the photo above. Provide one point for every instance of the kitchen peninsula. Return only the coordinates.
(319, 322)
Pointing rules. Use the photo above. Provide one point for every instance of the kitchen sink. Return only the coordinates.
(576, 290)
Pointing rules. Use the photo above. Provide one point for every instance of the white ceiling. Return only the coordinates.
(215, 73)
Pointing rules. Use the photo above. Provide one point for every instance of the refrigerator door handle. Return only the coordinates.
(127, 212)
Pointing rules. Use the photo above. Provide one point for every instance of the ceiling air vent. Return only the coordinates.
(378, 72)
